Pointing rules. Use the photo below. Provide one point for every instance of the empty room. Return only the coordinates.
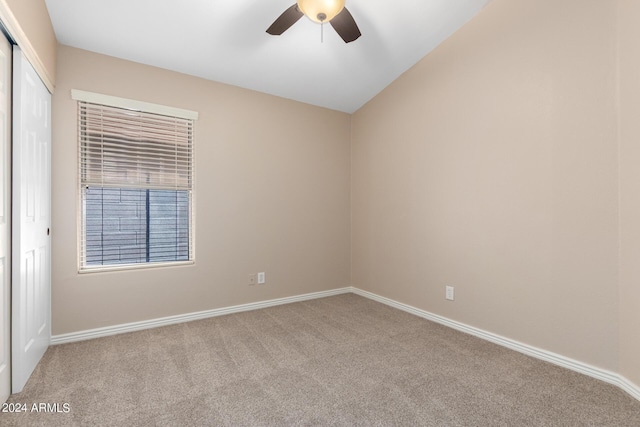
(320, 212)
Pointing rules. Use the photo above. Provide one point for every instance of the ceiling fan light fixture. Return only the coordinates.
(321, 10)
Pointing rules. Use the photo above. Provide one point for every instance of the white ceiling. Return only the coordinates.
(225, 41)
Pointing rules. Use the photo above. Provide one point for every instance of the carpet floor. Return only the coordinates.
(343, 361)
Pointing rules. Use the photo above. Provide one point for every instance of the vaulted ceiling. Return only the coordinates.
(225, 41)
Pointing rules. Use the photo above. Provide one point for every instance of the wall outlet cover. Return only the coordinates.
(449, 292)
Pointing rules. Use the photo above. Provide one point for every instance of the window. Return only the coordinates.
(135, 183)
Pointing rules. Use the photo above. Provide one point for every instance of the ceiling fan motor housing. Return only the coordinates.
(321, 10)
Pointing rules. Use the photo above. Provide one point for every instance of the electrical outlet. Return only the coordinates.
(262, 278)
(252, 279)
(449, 292)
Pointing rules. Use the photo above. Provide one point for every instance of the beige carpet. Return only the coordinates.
(343, 360)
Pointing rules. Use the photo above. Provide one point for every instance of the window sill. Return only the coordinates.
(125, 267)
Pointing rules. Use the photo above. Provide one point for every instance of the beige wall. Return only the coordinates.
(29, 23)
(272, 194)
(629, 34)
(491, 166)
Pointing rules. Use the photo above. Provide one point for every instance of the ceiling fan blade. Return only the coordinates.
(345, 26)
(284, 21)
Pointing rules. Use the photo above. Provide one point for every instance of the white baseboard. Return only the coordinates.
(629, 387)
(556, 359)
(181, 318)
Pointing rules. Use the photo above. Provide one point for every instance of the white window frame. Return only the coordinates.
(146, 107)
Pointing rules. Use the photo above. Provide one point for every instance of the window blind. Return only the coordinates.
(132, 149)
(136, 182)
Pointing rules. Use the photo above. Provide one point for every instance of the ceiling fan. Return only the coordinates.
(320, 11)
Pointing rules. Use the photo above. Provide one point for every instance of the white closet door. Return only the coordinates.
(31, 289)
(5, 218)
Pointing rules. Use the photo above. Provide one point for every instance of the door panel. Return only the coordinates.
(31, 288)
(5, 218)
